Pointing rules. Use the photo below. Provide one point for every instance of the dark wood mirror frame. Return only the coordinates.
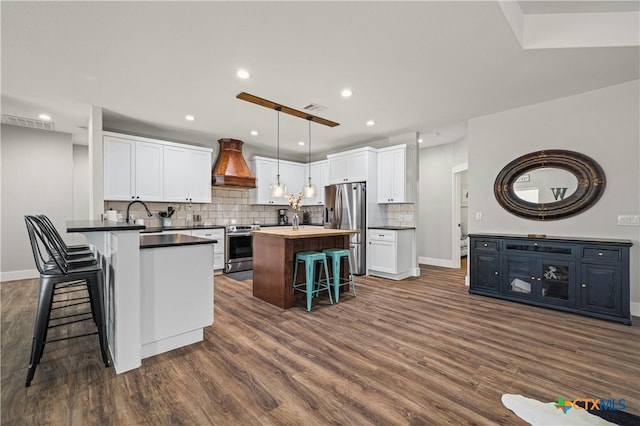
(591, 184)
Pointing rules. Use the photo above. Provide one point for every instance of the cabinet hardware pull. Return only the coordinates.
(584, 286)
(486, 245)
(533, 278)
(496, 272)
(600, 253)
(538, 279)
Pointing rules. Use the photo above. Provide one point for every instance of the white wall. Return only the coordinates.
(37, 178)
(435, 190)
(603, 124)
(81, 182)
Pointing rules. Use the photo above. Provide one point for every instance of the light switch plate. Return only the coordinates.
(628, 220)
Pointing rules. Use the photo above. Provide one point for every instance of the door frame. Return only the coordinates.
(456, 190)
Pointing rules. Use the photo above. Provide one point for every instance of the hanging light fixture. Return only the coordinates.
(278, 189)
(309, 189)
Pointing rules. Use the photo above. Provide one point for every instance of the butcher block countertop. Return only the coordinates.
(288, 233)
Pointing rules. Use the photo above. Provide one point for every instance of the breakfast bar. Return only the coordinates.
(158, 289)
(274, 251)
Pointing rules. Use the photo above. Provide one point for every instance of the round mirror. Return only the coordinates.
(548, 185)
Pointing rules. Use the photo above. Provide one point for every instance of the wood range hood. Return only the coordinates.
(230, 168)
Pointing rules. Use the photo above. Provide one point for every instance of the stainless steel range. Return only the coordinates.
(239, 248)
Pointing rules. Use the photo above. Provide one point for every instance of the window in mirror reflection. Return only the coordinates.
(545, 185)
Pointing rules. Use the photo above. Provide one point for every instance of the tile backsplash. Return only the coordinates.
(228, 206)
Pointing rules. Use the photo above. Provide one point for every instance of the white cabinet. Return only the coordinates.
(149, 171)
(187, 175)
(200, 174)
(218, 248)
(154, 170)
(396, 174)
(392, 253)
(351, 166)
(132, 170)
(119, 168)
(265, 171)
(319, 171)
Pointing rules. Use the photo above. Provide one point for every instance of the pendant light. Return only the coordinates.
(278, 189)
(309, 189)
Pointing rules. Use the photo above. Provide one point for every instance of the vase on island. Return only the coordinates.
(295, 221)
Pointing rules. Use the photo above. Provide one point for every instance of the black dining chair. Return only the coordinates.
(61, 277)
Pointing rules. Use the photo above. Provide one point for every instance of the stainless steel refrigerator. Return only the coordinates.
(345, 207)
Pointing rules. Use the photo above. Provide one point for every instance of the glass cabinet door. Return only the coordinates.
(556, 281)
(520, 275)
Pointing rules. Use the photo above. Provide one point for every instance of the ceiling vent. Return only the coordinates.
(314, 108)
(27, 122)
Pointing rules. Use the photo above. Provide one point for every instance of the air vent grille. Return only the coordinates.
(314, 108)
(27, 122)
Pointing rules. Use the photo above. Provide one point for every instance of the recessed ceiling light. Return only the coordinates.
(254, 133)
(420, 140)
(45, 117)
(189, 117)
(434, 134)
(371, 123)
(301, 143)
(243, 74)
(346, 93)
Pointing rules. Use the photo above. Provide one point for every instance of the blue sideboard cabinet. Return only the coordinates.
(579, 275)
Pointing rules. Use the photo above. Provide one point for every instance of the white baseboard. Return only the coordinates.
(635, 309)
(19, 275)
(466, 280)
(445, 263)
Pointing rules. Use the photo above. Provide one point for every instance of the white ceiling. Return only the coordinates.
(422, 66)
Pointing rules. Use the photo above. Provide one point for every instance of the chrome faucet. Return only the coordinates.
(141, 202)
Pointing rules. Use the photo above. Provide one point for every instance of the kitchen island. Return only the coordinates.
(158, 289)
(274, 252)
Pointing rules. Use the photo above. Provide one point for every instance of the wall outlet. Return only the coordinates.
(628, 220)
(478, 216)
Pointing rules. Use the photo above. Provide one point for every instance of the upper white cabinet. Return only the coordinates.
(187, 175)
(153, 170)
(119, 168)
(149, 171)
(351, 166)
(132, 170)
(265, 170)
(396, 174)
(319, 171)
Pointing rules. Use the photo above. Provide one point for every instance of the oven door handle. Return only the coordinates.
(238, 234)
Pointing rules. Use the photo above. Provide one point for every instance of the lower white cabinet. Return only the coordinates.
(392, 253)
(218, 248)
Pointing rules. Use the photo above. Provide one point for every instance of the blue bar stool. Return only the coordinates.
(311, 287)
(336, 256)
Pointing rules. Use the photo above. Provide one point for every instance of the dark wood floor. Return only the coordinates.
(418, 351)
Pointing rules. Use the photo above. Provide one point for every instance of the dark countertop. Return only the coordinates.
(171, 240)
(101, 226)
(392, 228)
(179, 228)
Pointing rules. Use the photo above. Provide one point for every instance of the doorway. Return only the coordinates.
(460, 208)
